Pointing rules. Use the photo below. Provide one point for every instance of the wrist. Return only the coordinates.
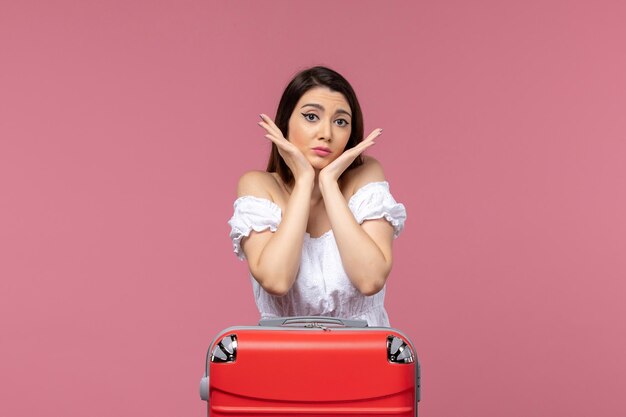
(327, 184)
(304, 175)
(304, 182)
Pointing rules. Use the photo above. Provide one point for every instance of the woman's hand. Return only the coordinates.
(333, 171)
(295, 160)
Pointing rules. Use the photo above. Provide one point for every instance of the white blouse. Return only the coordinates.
(322, 287)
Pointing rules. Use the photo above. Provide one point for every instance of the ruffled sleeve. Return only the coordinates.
(374, 201)
(252, 213)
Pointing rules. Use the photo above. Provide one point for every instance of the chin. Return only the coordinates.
(319, 165)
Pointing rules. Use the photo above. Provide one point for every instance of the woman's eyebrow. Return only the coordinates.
(319, 106)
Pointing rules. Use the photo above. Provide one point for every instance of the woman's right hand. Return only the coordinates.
(295, 160)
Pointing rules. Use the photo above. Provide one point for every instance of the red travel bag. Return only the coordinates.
(314, 366)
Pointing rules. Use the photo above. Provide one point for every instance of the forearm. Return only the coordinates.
(278, 263)
(365, 263)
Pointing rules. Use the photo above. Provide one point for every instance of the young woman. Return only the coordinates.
(317, 227)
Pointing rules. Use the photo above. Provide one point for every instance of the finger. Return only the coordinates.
(269, 128)
(357, 150)
(365, 144)
(282, 143)
(352, 153)
(277, 141)
(265, 127)
(375, 133)
(274, 139)
(267, 119)
(270, 124)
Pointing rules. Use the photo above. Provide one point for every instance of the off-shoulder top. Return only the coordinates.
(322, 287)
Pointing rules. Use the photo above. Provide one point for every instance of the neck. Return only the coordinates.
(316, 193)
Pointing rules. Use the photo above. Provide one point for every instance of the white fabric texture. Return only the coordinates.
(322, 287)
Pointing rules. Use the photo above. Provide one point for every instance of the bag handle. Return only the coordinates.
(311, 321)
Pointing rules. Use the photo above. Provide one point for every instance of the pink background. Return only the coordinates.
(124, 127)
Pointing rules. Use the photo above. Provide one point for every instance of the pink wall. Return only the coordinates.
(125, 125)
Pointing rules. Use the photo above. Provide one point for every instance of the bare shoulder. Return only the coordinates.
(370, 171)
(258, 184)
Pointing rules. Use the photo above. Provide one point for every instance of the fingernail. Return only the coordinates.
(381, 131)
(261, 116)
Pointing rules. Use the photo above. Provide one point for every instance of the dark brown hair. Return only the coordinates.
(301, 83)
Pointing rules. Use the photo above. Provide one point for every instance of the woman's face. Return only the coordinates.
(320, 125)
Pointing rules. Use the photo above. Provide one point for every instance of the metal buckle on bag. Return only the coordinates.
(318, 325)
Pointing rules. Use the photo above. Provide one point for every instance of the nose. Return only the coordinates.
(326, 131)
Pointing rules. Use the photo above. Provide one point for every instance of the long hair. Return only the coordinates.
(299, 85)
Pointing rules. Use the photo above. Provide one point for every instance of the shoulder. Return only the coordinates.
(258, 184)
(370, 171)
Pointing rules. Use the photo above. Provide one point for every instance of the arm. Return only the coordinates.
(274, 257)
(365, 250)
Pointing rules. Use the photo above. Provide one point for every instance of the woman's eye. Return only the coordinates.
(310, 116)
(342, 122)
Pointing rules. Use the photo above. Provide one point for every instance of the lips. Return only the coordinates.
(322, 151)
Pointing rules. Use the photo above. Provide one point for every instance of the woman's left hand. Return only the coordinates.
(333, 171)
